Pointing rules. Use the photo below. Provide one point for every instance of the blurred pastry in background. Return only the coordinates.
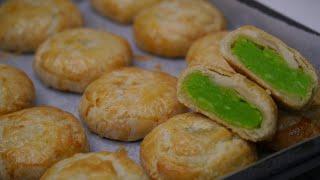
(25, 24)
(72, 59)
(122, 11)
(170, 27)
(16, 90)
(295, 127)
(96, 165)
(267, 60)
(126, 104)
(191, 146)
(32, 140)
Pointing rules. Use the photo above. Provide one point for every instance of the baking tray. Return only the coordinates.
(238, 13)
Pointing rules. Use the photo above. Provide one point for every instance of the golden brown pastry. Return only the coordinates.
(191, 146)
(170, 27)
(206, 52)
(72, 59)
(230, 99)
(122, 11)
(25, 24)
(96, 166)
(295, 127)
(16, 90)
(31, 140)
(127, 104)
(272, 64)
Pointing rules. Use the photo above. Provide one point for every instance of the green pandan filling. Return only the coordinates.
(270, 66)
(221, 101)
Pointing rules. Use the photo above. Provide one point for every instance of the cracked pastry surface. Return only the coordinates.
(31, 140)
(25, 24)
(16, 90)
(122, 11)
(96, 166)
(191, 146)
(72, 59)
(127, 103)
(170, 27)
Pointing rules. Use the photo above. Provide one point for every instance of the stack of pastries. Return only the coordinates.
(243, 87)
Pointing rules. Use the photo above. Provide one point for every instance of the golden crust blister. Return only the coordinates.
(127, 104)
(25, 24)
(122, 11)
(16, 90)
(96, 166)
(191, 146)
(170, 27)
(292, 56)
(248, 90)
(72, 59)
(34, 139)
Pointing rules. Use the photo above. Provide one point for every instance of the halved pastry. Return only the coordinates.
(271, 63)
(230, 99)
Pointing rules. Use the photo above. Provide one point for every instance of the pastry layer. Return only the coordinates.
(225, 102)
(272, 68)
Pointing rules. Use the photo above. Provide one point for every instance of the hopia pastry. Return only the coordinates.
(126, 104)
(191, 146)
(32, 140)
(170, 27)
(25, 24)
(282, 70)
(230, 99)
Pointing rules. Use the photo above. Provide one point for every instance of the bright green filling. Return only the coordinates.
(224, 102)
(272, 68)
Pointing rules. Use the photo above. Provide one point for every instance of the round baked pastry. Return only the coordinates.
(31, 140)
(122, 11)
(72, 59)
(191, 146)
(127, 104)
(25, 24)
(98, 165)
(206, 52)
(170, 27)
(296, 127)
(16, 90)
